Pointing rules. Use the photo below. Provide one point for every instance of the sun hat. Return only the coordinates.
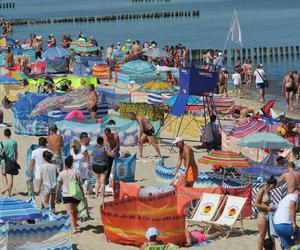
(177, 139)
(39, 37)
(152, 231)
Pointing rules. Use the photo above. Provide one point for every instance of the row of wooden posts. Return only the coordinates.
(152, 15)
(245, 53)
(149, 1)
(7, 5)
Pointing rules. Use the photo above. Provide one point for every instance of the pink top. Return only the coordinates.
(200, 237)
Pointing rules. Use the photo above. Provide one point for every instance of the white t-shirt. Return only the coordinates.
(37, 156)
(282, 214)
(259, 73)
(49, 172)
(236, 78)
(80, 162)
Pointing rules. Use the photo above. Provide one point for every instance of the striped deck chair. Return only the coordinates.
(206, 209)
(232, 211)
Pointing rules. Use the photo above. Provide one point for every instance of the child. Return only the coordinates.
(152, 235)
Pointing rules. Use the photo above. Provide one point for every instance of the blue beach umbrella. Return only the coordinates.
(12, 209)
(157, 53)
(264, 141)
(138, 67)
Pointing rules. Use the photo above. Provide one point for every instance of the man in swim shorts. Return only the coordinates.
(92, 102)
(146, 131)
(288, 87)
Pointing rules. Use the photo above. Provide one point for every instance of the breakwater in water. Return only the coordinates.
(258, 54)
(110, 18)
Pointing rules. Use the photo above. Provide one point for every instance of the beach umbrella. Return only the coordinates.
(250, 127)
(51, 103)
(8, 80)
(225, 159)
(17, 75)
(83, 47)
(157, 87)
(12, 209)
(193, 100)
(157, 53)
(265, 140)
(138, 67)
(56, 52)
(79, 99)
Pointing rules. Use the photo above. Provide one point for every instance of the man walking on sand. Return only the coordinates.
(291, 177)
(288, 88)
(146, 131)
(187, 155)
(260, 78)
(92, 102)
(55, 144)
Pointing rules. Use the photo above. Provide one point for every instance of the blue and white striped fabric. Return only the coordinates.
(154, 98)
(12, 209)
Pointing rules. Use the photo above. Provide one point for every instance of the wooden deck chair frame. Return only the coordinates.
(220, 205)
(228, 228)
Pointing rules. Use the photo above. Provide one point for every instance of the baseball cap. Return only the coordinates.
(177, 139)
(152, 231)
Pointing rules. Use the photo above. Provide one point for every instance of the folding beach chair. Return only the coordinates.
(232, 211)
(207, 208)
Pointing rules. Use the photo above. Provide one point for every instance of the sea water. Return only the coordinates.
(264, 23)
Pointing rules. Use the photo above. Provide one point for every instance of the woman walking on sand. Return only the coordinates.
(262, 202)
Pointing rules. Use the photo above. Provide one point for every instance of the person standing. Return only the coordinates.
(285, 219)
(37, 46)
(288, 88)
(223, 81)
(111, 143)
(263, 203)
(10, 149)
(55, 144)
(92, 102)
(237, 81)
(186, 155)
(146, 131)
(9, 58)
(219, 61)
(37, 160)
(100, 166)
(48, 174)
(291, 177)
(260, 77)
(297, 87)
(65, 177)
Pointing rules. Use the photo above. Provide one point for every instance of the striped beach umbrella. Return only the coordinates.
(12, 209)
(225, 159)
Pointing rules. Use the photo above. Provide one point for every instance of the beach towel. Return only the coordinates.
(124, 168)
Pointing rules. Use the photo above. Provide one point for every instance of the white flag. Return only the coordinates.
(235, 33)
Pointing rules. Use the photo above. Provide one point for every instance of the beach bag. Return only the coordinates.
(75, 191)
(83, 211)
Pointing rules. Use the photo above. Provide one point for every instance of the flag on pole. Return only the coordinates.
(235, 34)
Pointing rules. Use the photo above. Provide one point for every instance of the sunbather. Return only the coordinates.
(198, 236)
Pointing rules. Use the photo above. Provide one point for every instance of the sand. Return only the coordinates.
(91, 235)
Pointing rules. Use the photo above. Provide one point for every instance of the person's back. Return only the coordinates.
(66, 176)
(99, 156)
(291, 177)
(10, 147)
(49, 172)
(54, 143)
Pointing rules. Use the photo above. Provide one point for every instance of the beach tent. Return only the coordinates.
(138, 67)
(56, 52)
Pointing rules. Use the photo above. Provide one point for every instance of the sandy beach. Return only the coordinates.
(91, 235)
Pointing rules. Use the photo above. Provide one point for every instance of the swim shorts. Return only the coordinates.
(149, 132)
(93, 109)
(99, 169)
(260, 85)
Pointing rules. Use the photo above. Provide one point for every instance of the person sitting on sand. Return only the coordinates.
(262, 202)
(198, 236)
(291, 177)
(146, 131)
(282, 128)
(187, 155)
(152, 236)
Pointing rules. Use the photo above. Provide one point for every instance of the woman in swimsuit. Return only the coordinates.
(262, 202)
